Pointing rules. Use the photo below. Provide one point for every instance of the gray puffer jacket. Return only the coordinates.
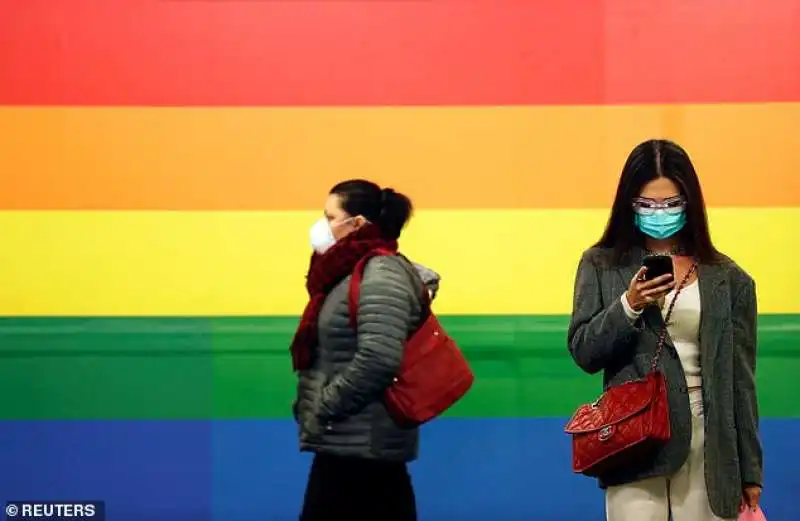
(339, 405)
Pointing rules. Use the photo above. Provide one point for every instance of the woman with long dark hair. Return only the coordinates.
(359, 467)
(712, 464)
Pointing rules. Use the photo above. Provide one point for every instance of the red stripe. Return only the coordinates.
(225, 52)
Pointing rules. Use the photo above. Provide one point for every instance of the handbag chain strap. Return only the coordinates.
(662, 337)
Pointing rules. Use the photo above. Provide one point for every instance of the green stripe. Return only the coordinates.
(171, 368)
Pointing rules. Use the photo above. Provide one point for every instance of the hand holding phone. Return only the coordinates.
(658, 265)
(652, 282)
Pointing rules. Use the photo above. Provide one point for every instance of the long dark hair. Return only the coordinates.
(648, 161)
(384, 207)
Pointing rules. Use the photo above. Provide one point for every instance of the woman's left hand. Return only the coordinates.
(751, 495)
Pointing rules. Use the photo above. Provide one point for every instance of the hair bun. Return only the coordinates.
(386, 193)
(386, 196)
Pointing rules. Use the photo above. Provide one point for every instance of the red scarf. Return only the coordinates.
(324, 273)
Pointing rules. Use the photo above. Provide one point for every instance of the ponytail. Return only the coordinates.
(396, 209)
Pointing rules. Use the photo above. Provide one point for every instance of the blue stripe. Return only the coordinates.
(469, 470)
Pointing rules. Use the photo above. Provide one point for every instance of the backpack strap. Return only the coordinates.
(354, 288)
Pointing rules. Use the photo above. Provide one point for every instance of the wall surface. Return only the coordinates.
(161, 162)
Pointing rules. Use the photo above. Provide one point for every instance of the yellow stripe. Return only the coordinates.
(215, 263)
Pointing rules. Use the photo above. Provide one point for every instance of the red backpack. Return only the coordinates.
(433, 374)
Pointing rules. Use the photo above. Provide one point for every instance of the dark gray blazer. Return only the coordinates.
(602, 338)
(339, 404)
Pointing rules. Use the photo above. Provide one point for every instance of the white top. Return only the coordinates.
(683, 329)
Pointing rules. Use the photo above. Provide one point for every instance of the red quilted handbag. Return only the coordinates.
(433, 375)
(628, 422)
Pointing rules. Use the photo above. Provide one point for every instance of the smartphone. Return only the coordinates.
(658, 265)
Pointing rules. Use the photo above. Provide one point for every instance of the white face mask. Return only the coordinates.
(321, 236)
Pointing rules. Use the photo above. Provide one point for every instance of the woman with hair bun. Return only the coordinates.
(360, 454)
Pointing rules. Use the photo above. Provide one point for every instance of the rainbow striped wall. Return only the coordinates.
(161, 162)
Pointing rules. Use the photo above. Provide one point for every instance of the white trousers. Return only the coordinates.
(683, 495)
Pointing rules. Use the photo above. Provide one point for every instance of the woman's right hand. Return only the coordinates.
(642, 293)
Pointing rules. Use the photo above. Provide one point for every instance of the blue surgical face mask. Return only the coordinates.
(660, 224)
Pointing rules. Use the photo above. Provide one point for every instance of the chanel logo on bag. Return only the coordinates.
(605, 433)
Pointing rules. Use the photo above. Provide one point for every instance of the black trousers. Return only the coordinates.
(354, 489)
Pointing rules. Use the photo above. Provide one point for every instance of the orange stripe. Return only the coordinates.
(279, 159)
